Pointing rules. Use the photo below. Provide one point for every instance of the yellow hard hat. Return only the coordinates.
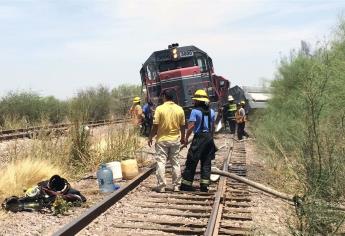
(243, 102)
(136, 99)
(200, 95)
(33, 191)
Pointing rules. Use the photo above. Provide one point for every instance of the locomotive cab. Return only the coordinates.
(184, 70)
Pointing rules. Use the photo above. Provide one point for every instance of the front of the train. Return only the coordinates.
(183, 70)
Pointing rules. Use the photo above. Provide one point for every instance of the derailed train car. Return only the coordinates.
(184, 70)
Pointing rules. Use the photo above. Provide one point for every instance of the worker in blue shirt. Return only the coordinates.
(148, 118)
(201, 122)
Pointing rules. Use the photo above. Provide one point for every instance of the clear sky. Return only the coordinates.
(56, 47)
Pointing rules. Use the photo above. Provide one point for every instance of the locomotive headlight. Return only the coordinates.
(174, 54)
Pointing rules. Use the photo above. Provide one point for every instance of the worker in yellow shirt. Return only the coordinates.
(136, 112)
(169, 126)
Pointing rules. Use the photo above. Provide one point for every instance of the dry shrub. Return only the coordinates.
(281, 172)
(79, 155)
(71, 156)
(13, 122)
(119, 143)
(22, 174)
(42, 147)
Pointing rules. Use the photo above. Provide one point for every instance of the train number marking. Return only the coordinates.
(187, 53)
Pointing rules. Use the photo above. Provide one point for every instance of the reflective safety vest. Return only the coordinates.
(231, 110)
(232, 107)
(240, 118)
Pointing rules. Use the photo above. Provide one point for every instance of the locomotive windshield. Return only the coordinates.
(173, 65)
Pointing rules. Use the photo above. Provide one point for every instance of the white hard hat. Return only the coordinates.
(230, 98)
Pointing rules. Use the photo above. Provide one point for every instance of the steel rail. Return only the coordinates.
(85, 219)
(32, 128)
(28, 132)
(218, 197)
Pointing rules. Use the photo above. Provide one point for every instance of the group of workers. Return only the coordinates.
(167, 123)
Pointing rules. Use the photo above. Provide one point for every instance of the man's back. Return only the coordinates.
(197, 116)
(136, 114)
(147, 110)
(169, 117)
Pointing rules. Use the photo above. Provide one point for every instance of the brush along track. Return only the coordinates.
(145, 212)
(58, 128)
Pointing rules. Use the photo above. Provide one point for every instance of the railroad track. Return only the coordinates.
(234, 216)
(221, 211)
(30, 132)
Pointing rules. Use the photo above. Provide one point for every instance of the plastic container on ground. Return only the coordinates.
(105, 179)
(129, 168)
(115, 167)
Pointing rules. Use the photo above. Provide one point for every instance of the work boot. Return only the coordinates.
(185, 187)
(203, 188)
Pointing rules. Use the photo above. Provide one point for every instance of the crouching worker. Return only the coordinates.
(201, 121)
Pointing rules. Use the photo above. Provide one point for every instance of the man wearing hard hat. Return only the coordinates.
(202, 148)
(230, 111)
(241, 120)
(136, 112)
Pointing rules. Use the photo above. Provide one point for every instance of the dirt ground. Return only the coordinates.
(271, 215)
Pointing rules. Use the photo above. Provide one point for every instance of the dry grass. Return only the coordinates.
(22, 174)
(119, 143)
(42, 147)
(14, 123)
(32, 162)
(44, 156)
(281, 171)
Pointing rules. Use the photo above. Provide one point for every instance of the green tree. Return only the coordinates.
(304, 126)
(122, 97)
(54, 109)
(91, 104)
(21, 105)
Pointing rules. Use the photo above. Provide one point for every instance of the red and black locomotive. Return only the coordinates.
(184, 70)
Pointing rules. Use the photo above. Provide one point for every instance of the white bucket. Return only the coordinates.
(115, 167)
